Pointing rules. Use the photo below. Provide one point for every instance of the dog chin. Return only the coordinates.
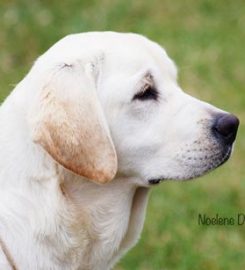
(204, 169)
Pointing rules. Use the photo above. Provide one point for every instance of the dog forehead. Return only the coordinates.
(127, 52)
(134, 52)
(130, 53)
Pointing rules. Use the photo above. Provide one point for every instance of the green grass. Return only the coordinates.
(206, 39)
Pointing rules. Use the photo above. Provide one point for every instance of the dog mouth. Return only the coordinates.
(195, 170)
(155, 181)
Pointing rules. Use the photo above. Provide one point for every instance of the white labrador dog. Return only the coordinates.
(98, 120)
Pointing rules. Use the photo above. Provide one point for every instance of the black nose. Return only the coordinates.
(225, 127)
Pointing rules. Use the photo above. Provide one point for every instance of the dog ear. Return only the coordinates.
(68, 122)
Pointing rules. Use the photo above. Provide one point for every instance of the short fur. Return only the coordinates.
(78, 148)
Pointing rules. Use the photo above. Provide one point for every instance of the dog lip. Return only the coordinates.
(226, 156)
(155, 181)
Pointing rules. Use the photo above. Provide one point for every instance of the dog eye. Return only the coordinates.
(147, 93)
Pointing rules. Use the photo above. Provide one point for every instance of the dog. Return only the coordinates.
(97, 121)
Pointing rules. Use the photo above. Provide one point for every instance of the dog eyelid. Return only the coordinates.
(148, 91)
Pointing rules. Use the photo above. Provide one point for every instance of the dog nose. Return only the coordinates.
(225, 127)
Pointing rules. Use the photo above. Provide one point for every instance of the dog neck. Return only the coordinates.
(114, 215)
(97, 223)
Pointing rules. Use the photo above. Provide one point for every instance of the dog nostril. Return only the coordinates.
(226, 126)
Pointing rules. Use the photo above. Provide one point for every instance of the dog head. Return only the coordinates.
(109, 103)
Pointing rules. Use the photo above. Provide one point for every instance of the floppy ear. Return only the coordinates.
(70, 125)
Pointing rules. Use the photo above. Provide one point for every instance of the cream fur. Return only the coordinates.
(72, 124)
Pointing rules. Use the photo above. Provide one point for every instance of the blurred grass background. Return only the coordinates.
(207, 40)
